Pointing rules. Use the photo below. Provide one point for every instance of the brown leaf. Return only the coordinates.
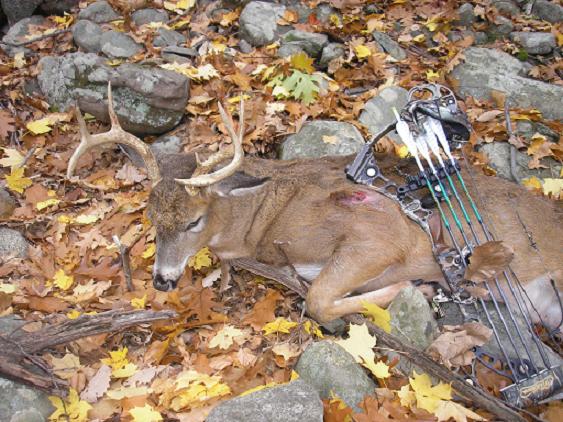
(263, 311)
(98, 385)
(488, 260)
(336, 411)
(47, 304)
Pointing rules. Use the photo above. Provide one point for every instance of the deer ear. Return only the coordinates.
(239, 184)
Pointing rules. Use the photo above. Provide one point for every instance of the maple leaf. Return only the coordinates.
(302, 61)
(224, 338)
(120, 366)
(380, 370)
(70, 410)
(7, 288)
(66, 366)
(16, 180)
(427, 396)
(193, 389)
(532, 182)
(447, 410)
(302, 86)
(41, 205)
(145, 414)
(335, 410)
(362, 51)
(62, 281)
(40, 126)
(406, 396)
(13, 158)
(379, 316)
(553, 187)
(287, 350)
(139, 302)
(312, 328)
(201, 259)
(280, 325)
(360, 344)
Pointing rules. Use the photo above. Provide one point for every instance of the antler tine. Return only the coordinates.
(116, 135)
(203, 180)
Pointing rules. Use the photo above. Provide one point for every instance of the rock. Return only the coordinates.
(330, 369)
(7, 204)
(166, 37)
(144, 16)
(99, 12)
(119, 45)
(57, 7)
(18, 32)
(293, 402)
(527, 129)
(22, 404)
(148, 100)
(481, 38)
(15, 11)
(87, 35)
(245, 46)
(324, 11)
(548, 11)
(485, 70)
(178, 54)
(311, 42)
(535, 42)
(506, 7)
(167, 144)
(378, 112)
(499, 159)
(12, 244)
(308, 142)
(501, 27)
(289, 49)
(466, 14)
(258, 22)
(330, 52)
(389, 45)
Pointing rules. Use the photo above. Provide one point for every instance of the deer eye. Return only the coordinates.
(193, 225)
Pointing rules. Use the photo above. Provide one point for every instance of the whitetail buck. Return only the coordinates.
(351, 242)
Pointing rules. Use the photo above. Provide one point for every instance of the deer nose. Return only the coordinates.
(163, 284)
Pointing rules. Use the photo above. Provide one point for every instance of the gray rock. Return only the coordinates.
(485, 70)
(378, 112)
(99, 12)
(293, 402)
(466, 14)
(311, 42)
(506, 7)
(7, 204)
(481, 38)
(289, 49)
(22, 404)
(87, 35)
(501, 27)
(148, 100)
(389, 45)
(245, 46)
(12, 244)
(119, 45)
(17, 34)
(57, 7)
(332, 370)
(167, 144)
(166, 37)
(323, 12)
(144, 16)
(18, 10)
(330, 52)
(178, 54)
(527, 129)
(548, 11)
(308, 142)
(499, 159)
(258, 22)
(535, 42)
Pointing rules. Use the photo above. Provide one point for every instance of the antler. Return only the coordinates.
(116, 135)
(200, 179)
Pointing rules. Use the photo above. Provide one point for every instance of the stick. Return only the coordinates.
(41, 37)
(512, 147)
(125, 262)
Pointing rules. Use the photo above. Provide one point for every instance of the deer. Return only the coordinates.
(351, 243)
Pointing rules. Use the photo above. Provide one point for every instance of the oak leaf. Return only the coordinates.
(98, 385)
(488, 260)
(264, 310)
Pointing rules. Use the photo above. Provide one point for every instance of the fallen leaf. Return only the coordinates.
(379, 316)
(427, 396)
(201, 259)
(39, 127)
(98, 385)
(13, 158)
(362, 51)
(553, 187)
(488, 260)
(287, 350)
(16, 180)
(62, 281)
(447, 410)
(280, 325)
(224, 338)
(120, 366)
(301, 61)
(139, 302)
(70, 410)
(66, 366)
(145, 414)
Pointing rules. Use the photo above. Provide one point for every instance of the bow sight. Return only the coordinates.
(431, 125)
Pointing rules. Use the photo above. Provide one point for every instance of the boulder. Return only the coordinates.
(486, 70)
(15, 11)
(340, 138)
(22, 404)
(178, 54)
(99, 12)
(466, 14)
(330, 52)
(292, 402)
(7, 204)
(311, 42)
(528, 129)
(378, 112)
(148, 100)
(506, 7)
(332, 370)
(144, 16)
(12, 244)
(289, 49)
(535, 42)
(389, 45)
(119, 45)
(548, 11)
(167, 37)
(17, 33)
(258, 22)
(87, 35)
(501, 27)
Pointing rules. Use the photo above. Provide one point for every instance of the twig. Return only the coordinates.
(511, 146)
(125, 262)
(41, 37)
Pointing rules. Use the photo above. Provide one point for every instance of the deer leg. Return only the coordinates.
(225, 275)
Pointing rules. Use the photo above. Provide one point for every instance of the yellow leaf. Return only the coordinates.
(62, 281)
(553, 187)
(302, 61)
(180, 6)
(447, 410)
(311, 328)
(114, 62)
(428, 397)
(279, 325)
(224, 338)
(127, 392)
(139, 302)
(193, 389)
(217, 47)
(86, 219)
(236, 99)
(66, 366)
(532, 182)
(73, 314)
(16, 180)
(407, 397)
(149, 251)
(401, 150)
(120, 366)
(332, 140)
(294, 375)
(335, 20)
(145, 414)
(13, 158)
(380, 370)
(228, 18)
(70, 410)
(362, 51)
(7, 288)
(38, 127)
(63, 21)
(379, 316)
(431, 75)
(257, 388)
(19, 60)
(360, 344)
(419, 38)
(559, 39)
(47, 203)
(200, 260)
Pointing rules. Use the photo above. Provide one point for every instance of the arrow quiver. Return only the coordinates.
(431, 125)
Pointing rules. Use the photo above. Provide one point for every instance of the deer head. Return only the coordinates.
(183, 201)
